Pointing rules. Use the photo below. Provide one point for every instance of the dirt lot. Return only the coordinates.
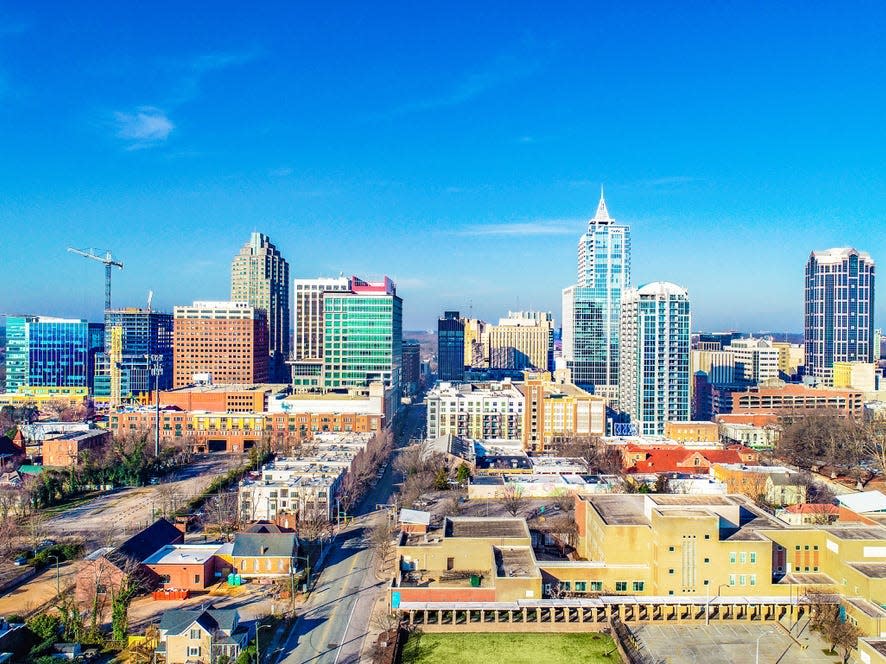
(117, 515)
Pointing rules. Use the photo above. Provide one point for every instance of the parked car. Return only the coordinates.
(154, 481)
(45, 544)
(22, 559)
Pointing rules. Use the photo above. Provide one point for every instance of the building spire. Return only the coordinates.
(602, 212)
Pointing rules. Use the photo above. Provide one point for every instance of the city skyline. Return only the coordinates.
(447, 161)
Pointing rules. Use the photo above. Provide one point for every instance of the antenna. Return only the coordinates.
(150, 299)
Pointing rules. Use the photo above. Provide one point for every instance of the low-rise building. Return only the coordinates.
(223, 398)
(201, 636)
(691, 433)
(644, 459)
(185, 567)
(261, 556)
(68, 449)
(776, 485)
(755, 437)
(797, 399)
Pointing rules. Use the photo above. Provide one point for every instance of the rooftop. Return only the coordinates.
(857, 532)
(485, 527)
(871, 570)
(620, 510)
(515, 561)
(191, 554)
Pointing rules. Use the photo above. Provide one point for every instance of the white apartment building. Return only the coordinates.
(475, 410)
(755, 360)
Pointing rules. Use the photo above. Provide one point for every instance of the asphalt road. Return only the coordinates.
(335, 619)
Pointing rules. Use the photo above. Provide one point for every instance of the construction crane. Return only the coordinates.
(108, 261)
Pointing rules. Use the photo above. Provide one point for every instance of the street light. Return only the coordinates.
(757, 657)
(155, 368)
(257, 651)
(57, 584)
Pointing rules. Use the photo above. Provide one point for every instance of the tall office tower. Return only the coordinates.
(131, 335)
(48, 352)
(411, 375)
(363, 335)
(604, 272)
(226, 340)
(450, 347)
(475, 330)
(839, 311)
(523, 340)
(307, 365)
(654, 362)
(260, 277)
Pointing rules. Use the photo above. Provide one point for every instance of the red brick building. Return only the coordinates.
(68, 449)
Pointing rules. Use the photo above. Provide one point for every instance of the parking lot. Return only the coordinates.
(733, 643)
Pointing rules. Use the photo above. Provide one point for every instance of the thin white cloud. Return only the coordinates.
(145, 127)
(521, 229)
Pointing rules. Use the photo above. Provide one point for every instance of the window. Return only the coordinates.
(581, 586)
(707, 582)
(753, 578)
(596, 586)
(196, 578)
(193, 651)
(101, 589)
(741, 579)
(638, 586)
(753, 557)
(743, 557)
(566, 585)
(621, 586)
(195, 634)
(671, 549)
(707, 560)
(707, 536)
(732, 557)
(732, 579)
(671, 571)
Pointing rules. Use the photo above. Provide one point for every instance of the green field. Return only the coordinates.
(479, 648)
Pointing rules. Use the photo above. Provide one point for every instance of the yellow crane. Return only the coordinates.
(108, 261)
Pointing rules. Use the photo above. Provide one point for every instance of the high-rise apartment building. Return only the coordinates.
(307, 365)
(124, 372)
(49, 352)
(839, 312)
(227, 340)
(755, 360)
(654, 363)
(450, 347)
(592, 330)
(260, 277)
(362, 335)
(410, 380)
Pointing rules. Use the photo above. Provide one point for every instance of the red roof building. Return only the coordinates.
(675, 459)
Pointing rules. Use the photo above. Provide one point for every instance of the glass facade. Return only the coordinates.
(839, 310)
(450, 347)
(655, 341)
(17, 356)
(604, 273)
(58, 353)
(143, 333)
(362, 339)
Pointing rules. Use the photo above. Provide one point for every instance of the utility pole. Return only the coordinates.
(155, 367)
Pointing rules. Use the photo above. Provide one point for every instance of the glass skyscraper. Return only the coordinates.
(451, 347)
(362, 335)
(654, 377)
(591, 308)
(839, 311)
(48, 352)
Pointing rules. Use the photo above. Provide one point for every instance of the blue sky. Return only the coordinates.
(458, 147)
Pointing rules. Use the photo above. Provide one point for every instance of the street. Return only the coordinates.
(334, 621)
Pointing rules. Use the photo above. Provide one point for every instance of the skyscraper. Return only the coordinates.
(48, 352)
(227, 340)
(362, 335)
(260, 277)
(307, 365)
(142, 332)
(654, 363)
(839, 312)
(450, 347)
(593, 304)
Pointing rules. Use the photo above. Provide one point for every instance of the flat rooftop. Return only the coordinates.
(867, 607)
(858, 532)
(871, 570)
(687, 500)
(515, 561)
(188, 554)
(253, 387)
(482, 527)
(620, 510)
(877, 644)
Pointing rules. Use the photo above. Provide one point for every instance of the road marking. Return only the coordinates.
(347, 626)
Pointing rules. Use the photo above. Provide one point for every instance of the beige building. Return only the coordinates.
(201, 636)
(790, 357)
(755, 360)
(555, 411)
(475, 410)
(856, 376)
(475, 353)
(523, 340)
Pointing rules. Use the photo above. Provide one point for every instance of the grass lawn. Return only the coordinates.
(475, 647)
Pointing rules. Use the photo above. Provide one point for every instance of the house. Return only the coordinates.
(201, 636)
(678, 459)
(805, 514)
(261, 555)
(777, 485)
(105, 569)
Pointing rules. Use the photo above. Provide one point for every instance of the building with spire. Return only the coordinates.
(839, 310)
(260, 277)
(592, 306)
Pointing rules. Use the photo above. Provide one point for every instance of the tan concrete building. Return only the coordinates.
(693, 432)
(790, 398)
(557, 411)
(226, 342)
(855, 376)
(519, 341)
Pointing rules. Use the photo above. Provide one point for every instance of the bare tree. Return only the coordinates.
(223, 515)
(512, 498)
(314, 526)
(381, 541)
